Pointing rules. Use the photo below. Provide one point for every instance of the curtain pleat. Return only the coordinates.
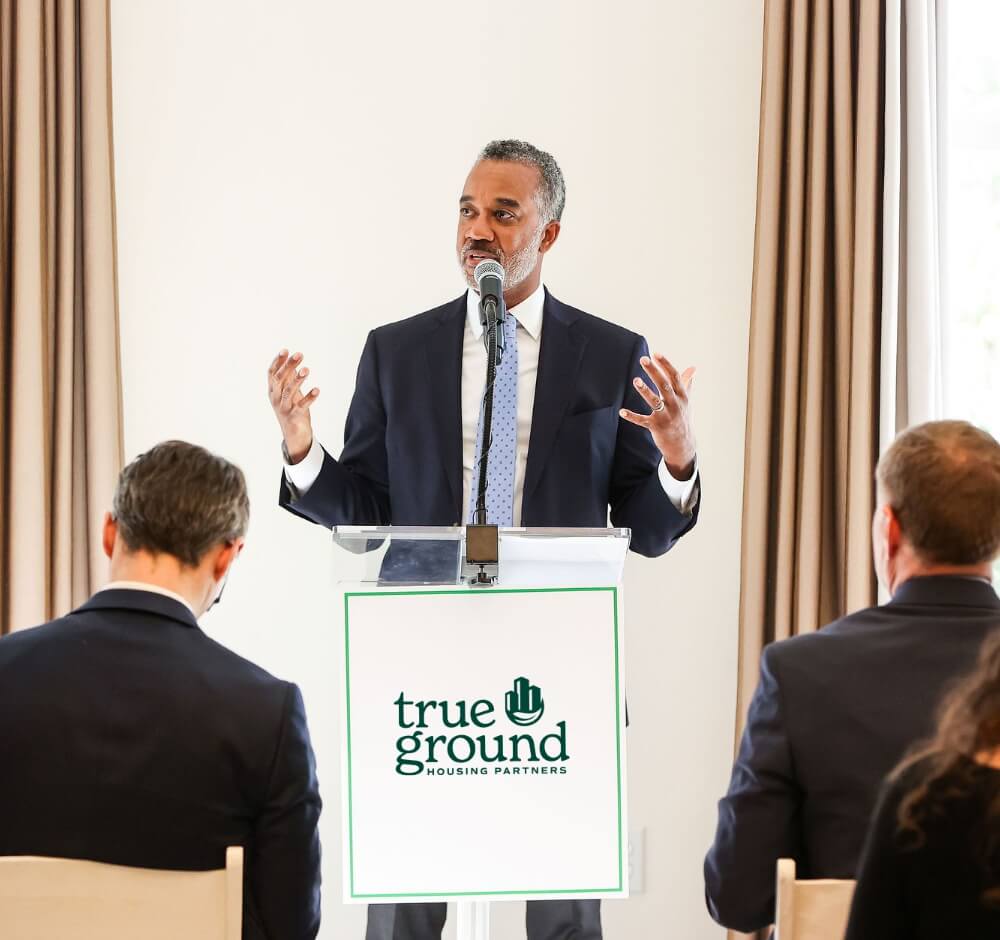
(812, 410)
(61, 421)
(813, 406)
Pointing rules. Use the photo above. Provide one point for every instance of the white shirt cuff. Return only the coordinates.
(302, 475)
(682, 493)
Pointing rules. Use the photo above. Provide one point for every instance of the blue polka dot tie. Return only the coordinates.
(503, 449)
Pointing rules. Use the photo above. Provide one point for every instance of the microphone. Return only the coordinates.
(489, 277)
(482, 540)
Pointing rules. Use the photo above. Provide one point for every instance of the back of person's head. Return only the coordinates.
(942, 482)
(180, 500)
(943, 769)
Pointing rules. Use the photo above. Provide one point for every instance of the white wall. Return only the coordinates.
(287, 174)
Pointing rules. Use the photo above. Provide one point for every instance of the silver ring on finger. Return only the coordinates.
(659, 406)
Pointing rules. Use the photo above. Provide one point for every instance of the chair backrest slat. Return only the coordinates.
(810, 910)
(82, 900)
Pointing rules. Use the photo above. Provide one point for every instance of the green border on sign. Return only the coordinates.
(350, 777)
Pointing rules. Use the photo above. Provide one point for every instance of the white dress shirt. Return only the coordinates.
(145, 586)
(528, 313)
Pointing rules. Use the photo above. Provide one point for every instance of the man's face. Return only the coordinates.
(498, 220)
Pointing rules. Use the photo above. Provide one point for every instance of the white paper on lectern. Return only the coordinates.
(492, 835)
(572, 561)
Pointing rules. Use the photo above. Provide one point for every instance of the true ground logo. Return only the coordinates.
(524, 705)
(442, 736)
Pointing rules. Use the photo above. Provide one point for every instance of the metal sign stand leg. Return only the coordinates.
(473, 920)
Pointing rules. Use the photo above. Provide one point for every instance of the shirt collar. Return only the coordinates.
(528, 312)
(949, 590)
(145, 586)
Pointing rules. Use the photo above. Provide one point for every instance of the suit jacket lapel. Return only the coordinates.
(559, 361)
(443, 391)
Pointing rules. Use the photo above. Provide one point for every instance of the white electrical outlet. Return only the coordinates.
(636, 861)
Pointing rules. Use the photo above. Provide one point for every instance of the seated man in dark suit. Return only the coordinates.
(835, 710)
(128, 736)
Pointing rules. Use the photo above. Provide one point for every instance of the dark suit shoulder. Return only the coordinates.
(843, 630)
(595, 327)
(879, 650)
(57, 639)
(24, 642)
(604, 331)
(419, 323)
(885, 626)
(248, 670)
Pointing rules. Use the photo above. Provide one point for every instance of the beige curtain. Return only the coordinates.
(60, 424)
(812, 419)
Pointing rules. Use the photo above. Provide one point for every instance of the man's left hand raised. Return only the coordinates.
(669, 422)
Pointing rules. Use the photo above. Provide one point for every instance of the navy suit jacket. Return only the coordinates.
(128, 736)
(402, 457)
(834, 712)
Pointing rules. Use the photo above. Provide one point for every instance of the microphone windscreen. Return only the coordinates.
(488, 269)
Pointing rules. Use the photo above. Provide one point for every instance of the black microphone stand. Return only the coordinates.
(489, 309)
(483, 539)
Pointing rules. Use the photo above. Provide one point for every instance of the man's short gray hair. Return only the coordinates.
(552, 192)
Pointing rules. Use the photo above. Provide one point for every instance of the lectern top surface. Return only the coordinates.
(427, 555)
(343, 534)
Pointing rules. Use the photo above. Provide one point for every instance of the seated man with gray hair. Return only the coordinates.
(835, 710)
(128, 736)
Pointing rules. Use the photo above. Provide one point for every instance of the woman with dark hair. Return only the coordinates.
(931, 864)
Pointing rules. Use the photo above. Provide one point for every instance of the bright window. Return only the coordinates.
(972, 206)
(972, 201)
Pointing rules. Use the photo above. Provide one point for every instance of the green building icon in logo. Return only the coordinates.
(524, 704)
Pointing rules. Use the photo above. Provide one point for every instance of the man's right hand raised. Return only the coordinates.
(291, 406)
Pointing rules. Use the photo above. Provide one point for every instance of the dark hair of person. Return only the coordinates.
(178, 499)
(942, 480)
(944, 769)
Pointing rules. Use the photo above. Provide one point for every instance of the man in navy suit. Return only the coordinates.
(128, 736)
(837, 709)
(587, 431)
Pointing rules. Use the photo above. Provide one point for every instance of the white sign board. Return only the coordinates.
(484, 746)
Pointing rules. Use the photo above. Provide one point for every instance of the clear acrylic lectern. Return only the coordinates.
(558, 586)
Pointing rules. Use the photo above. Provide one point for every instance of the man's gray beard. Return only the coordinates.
(518, 266)
(523, 262)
